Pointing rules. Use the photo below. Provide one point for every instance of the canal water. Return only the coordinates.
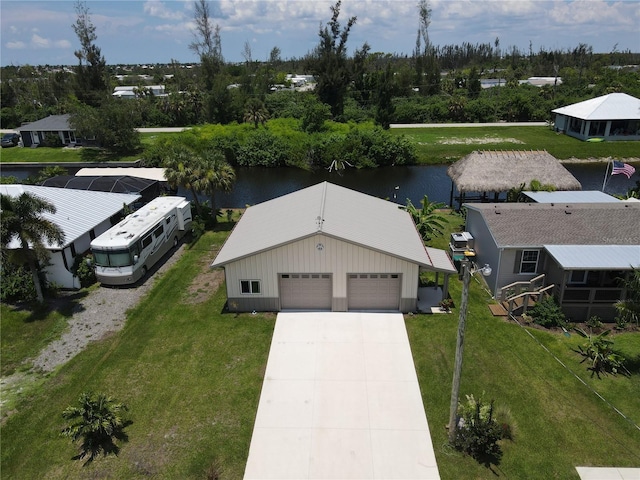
(255, 185)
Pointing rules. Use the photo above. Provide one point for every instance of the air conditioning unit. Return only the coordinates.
(461, 247)
(462, 241)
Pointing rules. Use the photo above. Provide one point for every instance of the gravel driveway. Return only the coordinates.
(101, 312)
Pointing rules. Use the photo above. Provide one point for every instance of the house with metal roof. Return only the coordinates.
(615, 116)
(579, 250)
(54, 126)
(326, 247)
(81, 215)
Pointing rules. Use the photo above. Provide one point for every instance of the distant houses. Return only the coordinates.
(130, 92)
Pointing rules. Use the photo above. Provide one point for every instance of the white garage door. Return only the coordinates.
(305, 291)
(374, 291)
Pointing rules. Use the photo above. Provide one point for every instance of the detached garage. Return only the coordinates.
(326, 247)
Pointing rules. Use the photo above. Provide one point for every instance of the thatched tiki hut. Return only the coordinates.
(495, 172)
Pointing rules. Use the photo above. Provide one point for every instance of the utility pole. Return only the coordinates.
(457, 369)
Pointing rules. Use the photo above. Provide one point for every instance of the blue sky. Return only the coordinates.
(156, 31)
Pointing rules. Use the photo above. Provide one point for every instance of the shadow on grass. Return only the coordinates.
(92, 448)
(632, 364)
(65, 305)
(98, 155)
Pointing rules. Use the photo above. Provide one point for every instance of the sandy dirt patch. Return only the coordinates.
(477, 140)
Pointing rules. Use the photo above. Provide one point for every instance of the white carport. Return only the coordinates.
(341, 399)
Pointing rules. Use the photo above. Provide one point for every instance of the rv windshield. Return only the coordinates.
(112, 258)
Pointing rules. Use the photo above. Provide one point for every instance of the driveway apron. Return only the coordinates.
(340, 400)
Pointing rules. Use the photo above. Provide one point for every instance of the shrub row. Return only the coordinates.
(283, 142)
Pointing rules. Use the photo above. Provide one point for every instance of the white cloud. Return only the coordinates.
(156, 8)
(597, 12)
(62, 43)
(18, 45)
(39, 42)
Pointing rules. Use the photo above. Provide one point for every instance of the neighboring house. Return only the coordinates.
(581, 248)
(615, 116)
(82, 216)
(35, 133)
(327, 247)
(131, 92)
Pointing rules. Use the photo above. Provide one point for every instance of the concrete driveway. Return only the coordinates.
(340, 400)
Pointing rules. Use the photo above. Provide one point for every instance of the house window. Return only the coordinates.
(250, 287)
(529, 261)
(578, 276)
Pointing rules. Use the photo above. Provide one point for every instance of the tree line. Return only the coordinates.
(433, 84)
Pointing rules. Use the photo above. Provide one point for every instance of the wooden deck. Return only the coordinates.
(497, 310)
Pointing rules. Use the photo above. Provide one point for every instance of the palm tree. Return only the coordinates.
(214, 174)
(22, 218)
(254, 112)
(97, 421)
(429, 222)
(181, 168)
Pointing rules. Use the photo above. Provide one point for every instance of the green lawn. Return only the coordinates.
(446, 145)
(191, 376)
(70, 155)
(25, 333)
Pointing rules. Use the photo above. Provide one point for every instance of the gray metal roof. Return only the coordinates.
(614, 106)
(579, 196)
(335, 211)
(539, 224)
(52, 123)
(77, 211)
(596, 257)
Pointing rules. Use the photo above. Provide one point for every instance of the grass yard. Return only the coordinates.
(70, 155)
(25, 333)
(192, 375)
(558, 422)
(446, 145)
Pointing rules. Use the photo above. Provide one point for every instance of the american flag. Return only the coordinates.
(623, 168)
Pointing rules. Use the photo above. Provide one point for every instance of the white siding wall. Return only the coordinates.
(56, 271)
(337, 258)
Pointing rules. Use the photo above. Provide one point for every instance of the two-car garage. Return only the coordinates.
(374, 291)
(327, 248)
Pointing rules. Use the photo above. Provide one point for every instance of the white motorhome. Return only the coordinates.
(124, 253)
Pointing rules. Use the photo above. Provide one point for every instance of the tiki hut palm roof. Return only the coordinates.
(500, 171)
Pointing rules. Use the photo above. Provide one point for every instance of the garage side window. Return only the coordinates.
(250, 287)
